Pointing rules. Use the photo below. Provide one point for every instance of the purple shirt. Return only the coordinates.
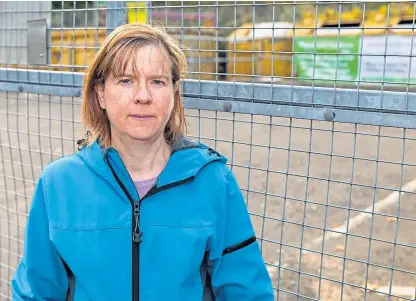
(143, 187)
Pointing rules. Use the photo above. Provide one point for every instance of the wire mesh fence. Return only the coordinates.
(313, 104)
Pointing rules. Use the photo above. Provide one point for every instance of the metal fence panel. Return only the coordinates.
(313, 103)
(13, 28)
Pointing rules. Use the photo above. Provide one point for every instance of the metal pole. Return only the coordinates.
(116, 15)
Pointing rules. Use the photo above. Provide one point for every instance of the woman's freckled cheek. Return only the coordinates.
(118, 99)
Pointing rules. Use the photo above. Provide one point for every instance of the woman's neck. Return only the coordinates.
(143, 159)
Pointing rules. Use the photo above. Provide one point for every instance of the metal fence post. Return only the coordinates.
(116, 15)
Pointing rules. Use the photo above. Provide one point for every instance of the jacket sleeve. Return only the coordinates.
(40, 274)
(238, 271)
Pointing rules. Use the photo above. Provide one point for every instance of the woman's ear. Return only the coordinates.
(176, 86)
(176, 96)
(99, 89)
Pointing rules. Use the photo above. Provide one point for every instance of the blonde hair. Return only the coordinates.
(113, 57)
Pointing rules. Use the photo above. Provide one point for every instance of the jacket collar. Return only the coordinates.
(187, 159)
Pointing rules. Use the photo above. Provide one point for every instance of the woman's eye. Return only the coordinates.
(158, 82)
(125, 81)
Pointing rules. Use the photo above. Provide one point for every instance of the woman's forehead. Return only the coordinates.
(145, 60)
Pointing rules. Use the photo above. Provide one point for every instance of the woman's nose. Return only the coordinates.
(142, 94)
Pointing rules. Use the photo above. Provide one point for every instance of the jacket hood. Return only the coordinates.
(187, 159)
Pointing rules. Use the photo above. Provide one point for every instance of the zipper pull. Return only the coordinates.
(137, 235)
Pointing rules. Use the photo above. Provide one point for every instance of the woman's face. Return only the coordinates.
(139, 105)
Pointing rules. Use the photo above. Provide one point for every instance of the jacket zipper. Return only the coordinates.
(137, 235)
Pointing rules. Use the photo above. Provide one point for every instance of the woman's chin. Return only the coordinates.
(150, 136)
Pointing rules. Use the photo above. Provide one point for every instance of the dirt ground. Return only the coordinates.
(301, 180)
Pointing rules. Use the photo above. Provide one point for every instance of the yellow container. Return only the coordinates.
(402, 24)
(200, 49)
(87, 43)
(395, 13)
(260, 49)
(73, 50)
(61, 50)
(349, 23)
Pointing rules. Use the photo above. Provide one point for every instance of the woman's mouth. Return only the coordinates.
(141, 116)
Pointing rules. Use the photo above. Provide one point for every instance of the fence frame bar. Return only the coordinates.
(385, 108)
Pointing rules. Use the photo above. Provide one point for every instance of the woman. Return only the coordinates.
(140, 212)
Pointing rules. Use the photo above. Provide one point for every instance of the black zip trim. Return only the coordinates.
(156, 189)
(122, 185)
(137, 235)
(239, 246)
